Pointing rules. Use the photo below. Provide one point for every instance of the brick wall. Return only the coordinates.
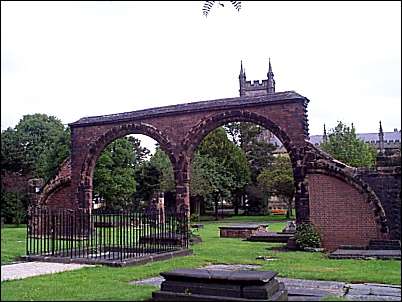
(57, 191)
(340, 213)
(61, 198)
(387, 186)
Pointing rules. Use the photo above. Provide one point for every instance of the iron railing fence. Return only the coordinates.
(104, 234)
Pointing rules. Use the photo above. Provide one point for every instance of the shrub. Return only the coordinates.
(194, 218)
(307, 236)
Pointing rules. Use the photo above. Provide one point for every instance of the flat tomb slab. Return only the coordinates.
(220, 285)
(358, 254)
(209, 276)
(241, 230)
(269, 237)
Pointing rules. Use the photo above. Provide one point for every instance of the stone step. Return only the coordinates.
(385, 242)
(384, 245)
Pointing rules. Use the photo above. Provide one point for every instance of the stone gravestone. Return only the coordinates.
(290, 228)
(220, 285)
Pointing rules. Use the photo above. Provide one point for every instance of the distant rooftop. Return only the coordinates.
(389, 137)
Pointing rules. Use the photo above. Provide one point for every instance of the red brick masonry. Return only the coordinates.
(340, 213)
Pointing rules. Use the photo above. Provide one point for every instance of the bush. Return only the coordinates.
(194, 218)
(307, 236)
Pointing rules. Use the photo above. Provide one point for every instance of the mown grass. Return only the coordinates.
(12, 243)
(106, 283)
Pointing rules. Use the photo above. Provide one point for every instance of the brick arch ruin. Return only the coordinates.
(195, 136)
(97, 146)
(328, 193)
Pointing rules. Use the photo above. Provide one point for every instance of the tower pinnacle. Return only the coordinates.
(325, 138)
(381, 139)
(242, 79)
(271, 81)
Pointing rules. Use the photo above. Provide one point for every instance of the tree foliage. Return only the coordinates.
(249, 137)
(148, 179)
(259, 154)
(344, 145)
(114, 179)
(161, 161)
(226, 161)
(278, 180)
(36, 145)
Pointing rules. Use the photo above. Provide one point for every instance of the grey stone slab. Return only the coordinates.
(232, 267)
(314, 292)
(303, 298)
(31, 269)
(384, 285)
(238, 277)
(347, 253)
(155, 281)
(243, 226)
(371, 298)
(330, 285)
(364, 289)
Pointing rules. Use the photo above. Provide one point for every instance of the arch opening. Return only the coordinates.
(120, 150)
(249, 194)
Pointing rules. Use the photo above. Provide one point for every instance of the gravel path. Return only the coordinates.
(30, 269)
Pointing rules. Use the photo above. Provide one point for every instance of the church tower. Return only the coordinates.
(256, 88)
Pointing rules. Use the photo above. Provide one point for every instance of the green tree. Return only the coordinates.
(217, 145)
(278, 181)
(259, 154)
(148, 179)
(210, 180)
(162, 162)
(36, 145)
(34, 148)
(344, 145)
(219, 168)
(114, 179)
(13, 206)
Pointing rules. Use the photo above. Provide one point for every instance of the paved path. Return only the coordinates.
(30, 269)
(312, 290)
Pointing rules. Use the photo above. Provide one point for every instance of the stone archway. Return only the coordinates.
(180, 128)
(96, 147)
(196, 134)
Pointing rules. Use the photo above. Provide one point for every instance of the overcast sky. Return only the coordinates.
(76, 59)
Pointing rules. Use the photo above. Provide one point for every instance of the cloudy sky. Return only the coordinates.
(76, 59)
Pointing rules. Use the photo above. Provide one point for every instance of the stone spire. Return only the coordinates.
(271, 81)
(242, 79)
(381, 139)
(325, 137)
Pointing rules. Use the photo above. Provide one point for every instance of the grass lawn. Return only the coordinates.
(12, 243)
(106, 283)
